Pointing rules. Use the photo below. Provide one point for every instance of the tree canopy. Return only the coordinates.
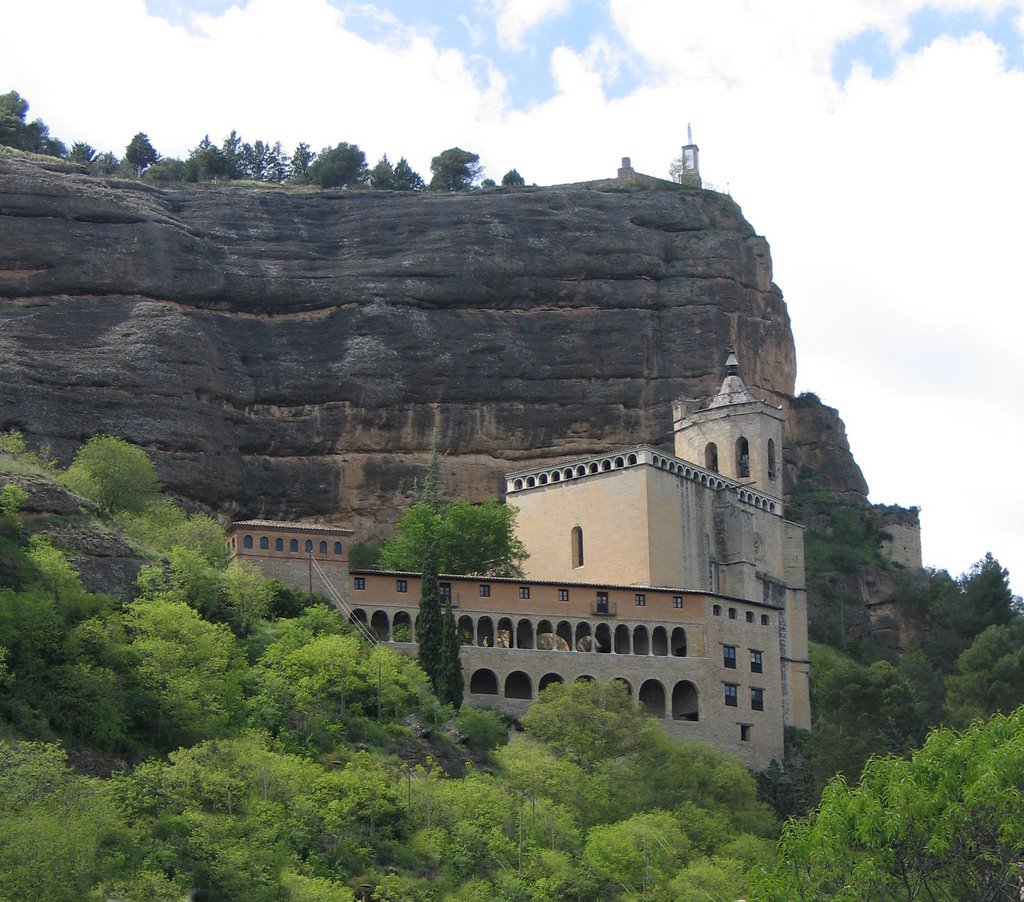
(113, 473)
(470, 538)
(341, 166)
(140, 153)
(455, 169)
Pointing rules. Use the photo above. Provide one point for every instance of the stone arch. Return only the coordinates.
(619, 463)
(742, 458)
(631, 459)
(652, 697)
(547, 680)
(641, 641)
(592, 468)
(659, 641)
(530, 482)
(556, 476)
(485, 632)
(584, 678)
(576, 538)
(711, 456)
(542, 479)
(581, 470)
(622, 643)
(564, 632)
(771, 508)
(524, 634)
(584, 637)
(465, 630)
(518, 484)
(567, 473)
(684, 701)
(626, 683)
(656, 460)
(506, 635)
(603, 638)
(380, 624)
(606, 465)
(401, 627)
(678, 643)
(358, 615)
(483, 682)
(546, 640)
(518, 685)
(772, 468)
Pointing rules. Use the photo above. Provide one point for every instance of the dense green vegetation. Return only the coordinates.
(340, 166)
(262, 750)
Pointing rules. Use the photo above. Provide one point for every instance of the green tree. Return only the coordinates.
(430, 622)
(81, 152)
(114, 473)
(450, 682)
(248, 595)
(989, 675)
(206, 162)
(191, 668)
(405, 178)
(512, 179)
(945, 824)
(167, 169)
(140, 153)
(341, 166)
(32, 136)
(469, 538)
(105, 164)
(638, 854)
(382, 176)
(454, 169)
(301, 160)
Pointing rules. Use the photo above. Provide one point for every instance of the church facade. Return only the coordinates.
(676, 573)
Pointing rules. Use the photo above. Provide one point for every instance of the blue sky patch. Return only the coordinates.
(869, 48)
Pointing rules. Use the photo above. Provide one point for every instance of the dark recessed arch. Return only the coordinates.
(684, 701)
(652, 697)
(483, 682)
(518, 685)
(547, 680)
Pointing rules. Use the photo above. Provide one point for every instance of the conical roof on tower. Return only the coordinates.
(734, 389)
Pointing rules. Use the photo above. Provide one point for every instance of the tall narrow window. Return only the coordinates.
(711, 456)
(771, 459)
(742, 458)
(577, 547)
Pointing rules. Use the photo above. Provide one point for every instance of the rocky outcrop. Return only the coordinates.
(816, 439)
(291, 353)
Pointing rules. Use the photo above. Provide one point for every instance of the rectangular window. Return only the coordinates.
(401, 585)
(641, 599)
(729, 656)
(764, 620)
(485, 590)
(757, 699)
(750, 616)
(744, 732)
(755, 661)
(677, 601)
(563, 594)
(731, 694)
(732, 613)
(524, 591)
(445, 591)
(602, 602)
(360, 582)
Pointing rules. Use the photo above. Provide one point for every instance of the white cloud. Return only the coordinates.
(517, 17)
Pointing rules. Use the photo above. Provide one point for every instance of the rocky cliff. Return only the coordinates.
(290, 353)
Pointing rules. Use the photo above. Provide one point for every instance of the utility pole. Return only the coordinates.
(311, 577)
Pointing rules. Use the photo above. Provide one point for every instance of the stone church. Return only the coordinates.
(676, 573)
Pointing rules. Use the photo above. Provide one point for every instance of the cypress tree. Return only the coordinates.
(449, 676)
(429, 626)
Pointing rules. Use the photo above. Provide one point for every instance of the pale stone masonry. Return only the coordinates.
(675, 573)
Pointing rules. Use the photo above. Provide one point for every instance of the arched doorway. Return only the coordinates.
(485, 632)
(483, 682)
(652, 697)
(379, 624)
(518, 685)
(684, 701)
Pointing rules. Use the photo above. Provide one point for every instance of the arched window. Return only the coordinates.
(278, 544)
(293, 545)
(771, 459)
(323, 548)
(577, 547)
(337, 547)
(309, 546)
(742, 458)
(247, 542)
(264, 543)
(711, 456)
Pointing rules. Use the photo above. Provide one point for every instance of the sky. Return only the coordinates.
(878, 145)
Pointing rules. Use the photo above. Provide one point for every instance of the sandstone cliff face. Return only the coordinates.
(288, 353)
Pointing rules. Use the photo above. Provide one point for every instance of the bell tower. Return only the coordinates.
(735, 434)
